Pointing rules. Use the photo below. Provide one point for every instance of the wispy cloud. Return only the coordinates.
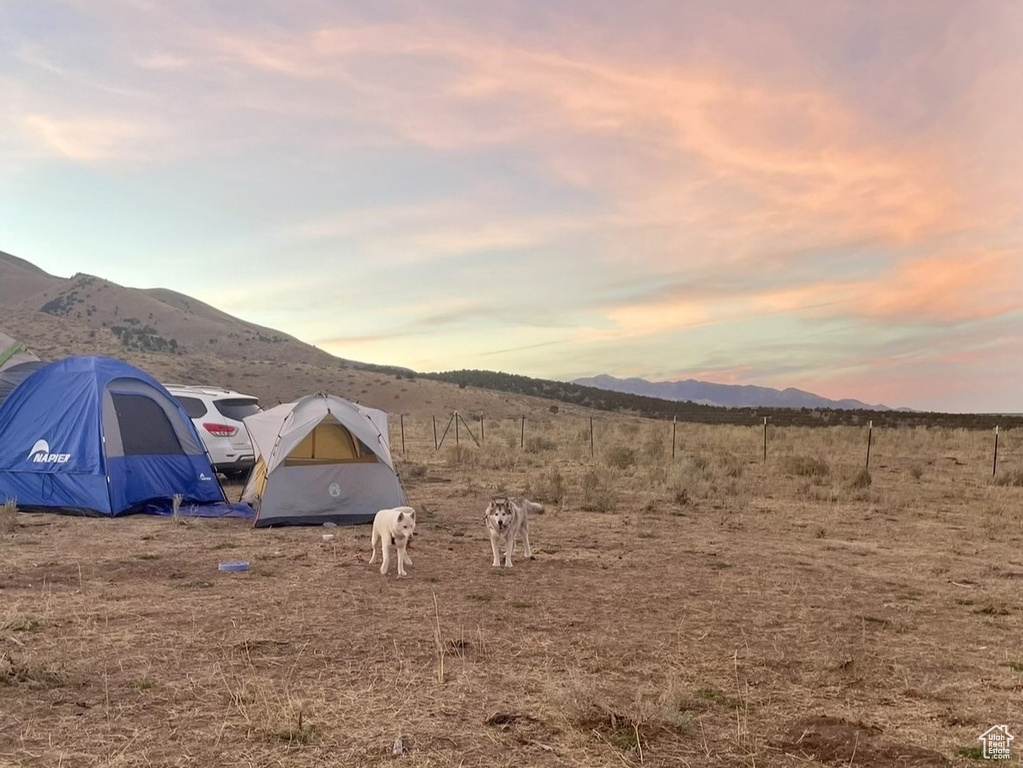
(708, 182)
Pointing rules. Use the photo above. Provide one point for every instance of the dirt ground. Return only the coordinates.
(706, 610)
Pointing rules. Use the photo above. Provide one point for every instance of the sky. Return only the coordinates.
(825, 195)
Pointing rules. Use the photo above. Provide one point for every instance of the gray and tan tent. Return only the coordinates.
(321, 459)
(16, 363)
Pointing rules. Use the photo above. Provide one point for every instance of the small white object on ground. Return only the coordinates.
(399, 747)
(328, 536)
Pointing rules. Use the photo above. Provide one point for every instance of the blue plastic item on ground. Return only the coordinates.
(239, 566)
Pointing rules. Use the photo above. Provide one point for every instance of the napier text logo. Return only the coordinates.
(40, 454)
(996, 742)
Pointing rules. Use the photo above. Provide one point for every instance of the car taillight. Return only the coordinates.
(220, 430)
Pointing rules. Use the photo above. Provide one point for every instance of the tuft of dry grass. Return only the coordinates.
(620, 457)
(806, 466)
(598, 496)
(20, 624)
(1012, 479)
(540, 443)
(629, 724)
(438, 641)
(9, 516)
(862, 479)
(548, 487)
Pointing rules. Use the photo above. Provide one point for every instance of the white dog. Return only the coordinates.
(393, 525)
(507, 519)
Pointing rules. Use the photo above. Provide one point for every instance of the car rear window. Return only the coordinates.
(237, 408)
(194, 407)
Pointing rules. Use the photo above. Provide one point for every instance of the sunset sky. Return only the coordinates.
(826, 195)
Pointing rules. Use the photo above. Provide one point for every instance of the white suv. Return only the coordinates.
(217, 414)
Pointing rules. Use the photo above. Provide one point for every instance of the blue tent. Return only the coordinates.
(97, 436)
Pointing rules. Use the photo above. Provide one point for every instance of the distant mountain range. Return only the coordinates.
(727, 395)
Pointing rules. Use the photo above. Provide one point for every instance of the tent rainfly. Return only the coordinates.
(13, 352)
(321, 459)
(95, 435)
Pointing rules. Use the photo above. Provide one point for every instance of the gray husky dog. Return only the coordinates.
(507, 519)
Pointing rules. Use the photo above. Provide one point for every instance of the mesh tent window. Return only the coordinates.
(145, 428)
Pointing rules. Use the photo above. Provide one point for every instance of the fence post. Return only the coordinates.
(435, 433)
(870, 430)
(483, 433)
(673, 420)
(765, 439)
(445, 433)
(591, 437)
(401, 420)
(455, 417)
(522, 434)
(994, 466)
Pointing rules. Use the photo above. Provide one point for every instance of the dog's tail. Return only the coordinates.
(532, 508)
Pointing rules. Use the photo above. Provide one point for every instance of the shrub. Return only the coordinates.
(460, 454)
(620, 457)
(654, 447)
(806, 466)
(680, 495)
(597, 496)
(549, 487)
(862, 479)
(916, 471)
(733, 466)
(540, 443)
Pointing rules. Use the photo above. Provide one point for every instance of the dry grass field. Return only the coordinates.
(706, 610)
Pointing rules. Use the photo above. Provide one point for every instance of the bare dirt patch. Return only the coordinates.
(835, 741)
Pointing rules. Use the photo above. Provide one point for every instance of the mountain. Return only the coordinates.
(726, 395)
(179, 339)
(156, 320)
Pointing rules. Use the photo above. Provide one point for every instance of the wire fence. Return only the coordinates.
(996, 452)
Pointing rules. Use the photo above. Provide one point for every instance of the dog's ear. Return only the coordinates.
(401, 516)
(412, 514)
